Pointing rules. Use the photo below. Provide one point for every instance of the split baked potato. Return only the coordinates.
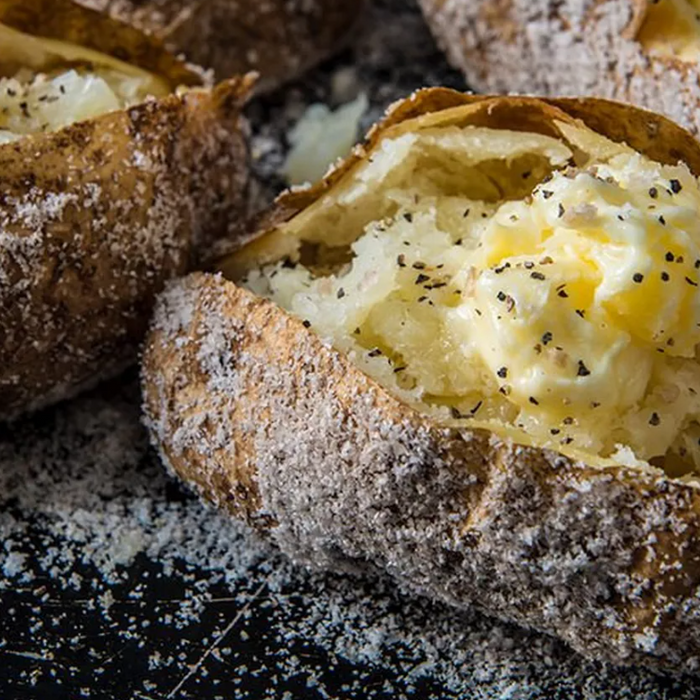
(640, 51)
(467, 358)
(277, 38)
(116, 172)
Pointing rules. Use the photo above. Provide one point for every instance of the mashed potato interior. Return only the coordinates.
(47, 84)
(508, 279)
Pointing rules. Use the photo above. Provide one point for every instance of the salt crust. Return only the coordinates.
(574, 48)
(119, 204)
(250, 407)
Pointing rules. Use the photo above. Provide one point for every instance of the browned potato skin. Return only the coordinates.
(278, 38)
(95, 218)
(253, 410)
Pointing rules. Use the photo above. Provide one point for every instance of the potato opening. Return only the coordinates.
(542, 285)
(46, 84)
(671, 28)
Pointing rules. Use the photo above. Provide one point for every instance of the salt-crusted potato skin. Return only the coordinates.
(278, 38)
(94, 218)
(253, 409)
(564, 47)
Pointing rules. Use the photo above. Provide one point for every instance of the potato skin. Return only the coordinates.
(564, 47)
(264, 419)
(94, 218)
(278, 38)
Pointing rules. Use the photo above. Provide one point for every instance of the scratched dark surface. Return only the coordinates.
(102, 596)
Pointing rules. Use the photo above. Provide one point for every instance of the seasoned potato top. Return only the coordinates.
(545, 284)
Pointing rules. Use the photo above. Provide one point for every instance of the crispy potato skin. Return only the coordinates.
(94, 218)
(253, 410)
(278, 38)
(564, 47)
(262, 418)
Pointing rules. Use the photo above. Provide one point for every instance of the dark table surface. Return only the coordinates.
(116, 583)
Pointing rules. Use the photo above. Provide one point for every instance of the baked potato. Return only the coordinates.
(277, 38)
(467, 358)
(112, 179)
(639, 51)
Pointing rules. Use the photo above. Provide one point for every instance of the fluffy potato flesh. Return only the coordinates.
(47, 84)
(538, 285)
(671, 28)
